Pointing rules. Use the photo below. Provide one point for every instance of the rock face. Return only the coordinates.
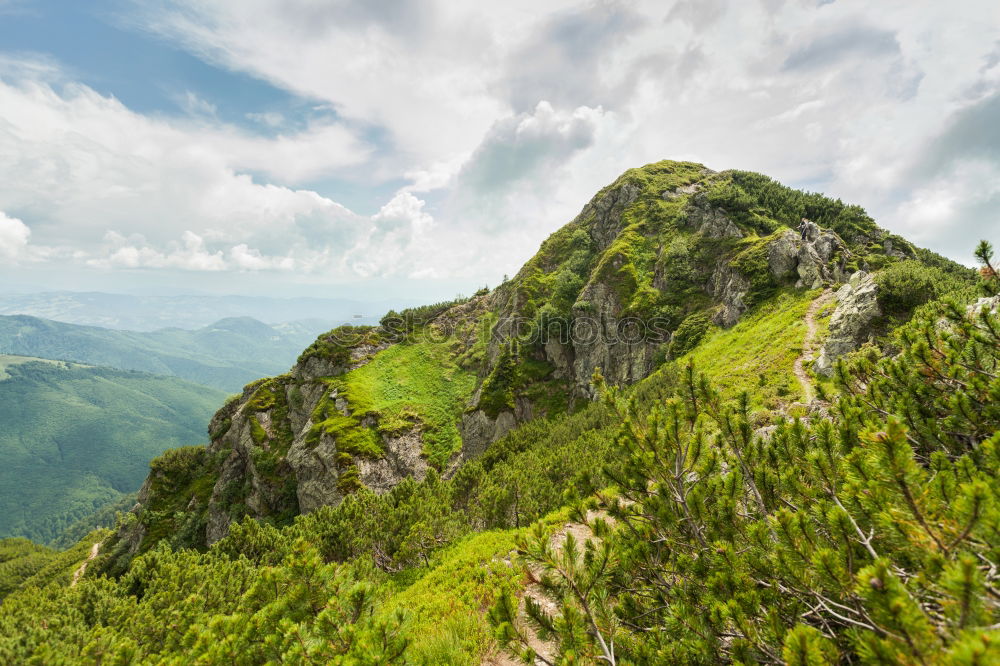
(818, 258)
(809, 260)
(709, 220)
(607, 213)
(603, 339)
(315, 465)
(478, 431)
(850, 325)
(730, 287)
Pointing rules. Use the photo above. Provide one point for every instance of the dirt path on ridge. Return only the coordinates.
(808, 348)
(582, 533)
(78, 574)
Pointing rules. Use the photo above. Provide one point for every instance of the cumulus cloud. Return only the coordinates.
(13, 237)
(189, 254)
(397, 243)
(78, 165)
(569, 59)
(516, 148)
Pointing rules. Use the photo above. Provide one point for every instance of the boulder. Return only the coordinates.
(815, 260)
(857, 309)
(783, 255)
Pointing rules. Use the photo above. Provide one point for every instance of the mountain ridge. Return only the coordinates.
(78, 437)
(224, 355)
(672, 245)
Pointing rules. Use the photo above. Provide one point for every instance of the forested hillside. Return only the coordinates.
(224, 355)
(75, 438)
(794, 460)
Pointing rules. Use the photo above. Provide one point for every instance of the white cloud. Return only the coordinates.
(250, 259)
(964, 199)
(189, 254)
(518, 147)
(270, 118)
(13, 237)
(494, 123)
(77, 165)
(196, 106)
(398, 242)
(420, 70)
(834, 96)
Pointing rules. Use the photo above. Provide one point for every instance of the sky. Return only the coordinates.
(424, 148)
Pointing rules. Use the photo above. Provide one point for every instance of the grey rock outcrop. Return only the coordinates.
(607, 213)
(316, 473)
(403, 458)
(850, 325)
(478, 431)
(989, 303)
(682, 191)
(711, 221)
(819, 258)
(313, 463)
(603, 339)
(730, 288)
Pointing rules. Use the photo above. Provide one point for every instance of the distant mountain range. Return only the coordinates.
(148, 313)
(224, 355)
(76, 438)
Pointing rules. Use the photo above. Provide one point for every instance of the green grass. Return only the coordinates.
(409, 384)
(758, 354)
(447, 604)
(448, 601)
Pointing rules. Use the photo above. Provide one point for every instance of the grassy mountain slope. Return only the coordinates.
(224, 355)
(75, 438)
(752, 527)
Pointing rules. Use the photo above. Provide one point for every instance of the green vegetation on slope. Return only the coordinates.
(413, 383)
(867, 537)
(821, 542)
(409, 385)
(75, 439)
(757, 354)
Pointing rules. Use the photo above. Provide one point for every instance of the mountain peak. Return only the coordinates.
(653, 263)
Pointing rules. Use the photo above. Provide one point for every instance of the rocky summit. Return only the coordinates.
(651, 263)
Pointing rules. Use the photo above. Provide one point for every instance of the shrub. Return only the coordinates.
(906, 284)
(689, 333)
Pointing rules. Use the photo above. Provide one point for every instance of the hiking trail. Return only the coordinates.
(808, 349)
(545, 650)
(78, 574)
